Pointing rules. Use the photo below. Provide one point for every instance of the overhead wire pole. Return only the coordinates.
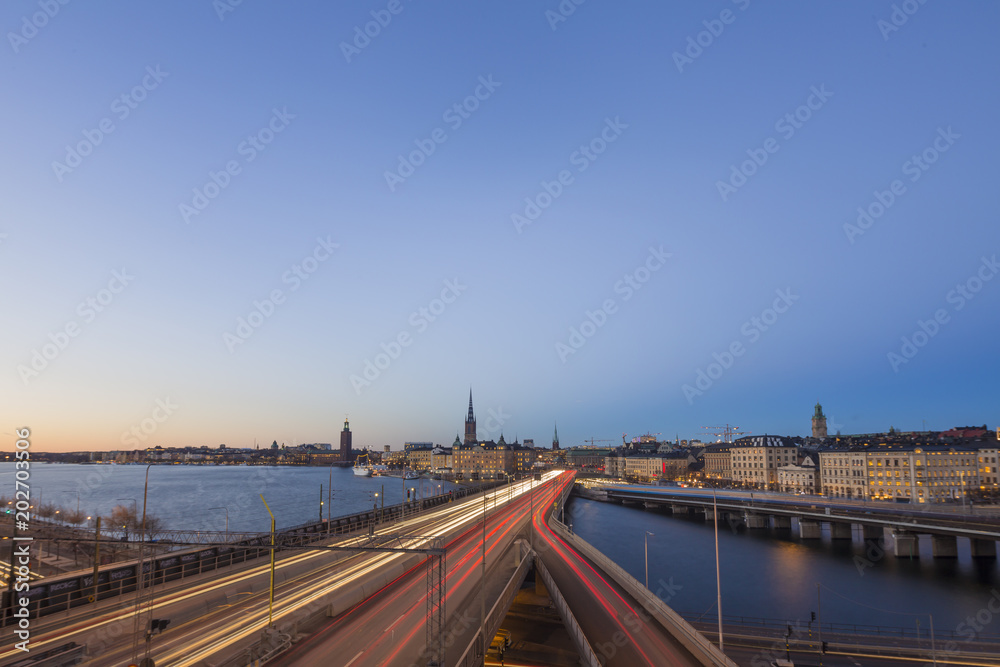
(140, 574)
(270, 600)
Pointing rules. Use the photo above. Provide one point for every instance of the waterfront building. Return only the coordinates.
(844, 473)
(756, 459)
(922, 473)
(718, 462)
(987, 461)
(345, 442)
(585, 458)
(614, 466)
(802, 477)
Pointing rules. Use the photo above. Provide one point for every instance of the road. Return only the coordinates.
(224, 613)
(389, 628)
(619, 630)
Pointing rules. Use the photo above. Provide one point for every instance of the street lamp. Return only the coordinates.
(645, 542)
(227, 519)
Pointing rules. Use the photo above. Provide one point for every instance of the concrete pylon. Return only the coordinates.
(810, 530)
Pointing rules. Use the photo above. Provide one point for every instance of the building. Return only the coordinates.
(675, 465)
(345, 442)
(587, 458)
(470, 424)
(614, 466)
(819, 423)
(756, 459)
(922, 473)
(718, 462)
(555, 437)
(649, 467)
(801, 477)
(485, 459)
(844, 473)
(987, 461)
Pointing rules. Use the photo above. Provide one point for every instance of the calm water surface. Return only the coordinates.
(182, 495)
(772, 574)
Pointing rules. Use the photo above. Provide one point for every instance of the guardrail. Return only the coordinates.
(473, 656)
(587, 655)
(695, 642)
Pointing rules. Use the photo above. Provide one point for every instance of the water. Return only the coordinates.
(772, 574)
(183, 495)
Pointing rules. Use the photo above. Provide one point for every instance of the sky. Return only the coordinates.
(243, 222)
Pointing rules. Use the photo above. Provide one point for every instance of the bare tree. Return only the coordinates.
(125, 517)
(75, 517)
(46, 511)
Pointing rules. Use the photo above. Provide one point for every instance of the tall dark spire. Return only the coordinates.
(555, 438)
(470, 424)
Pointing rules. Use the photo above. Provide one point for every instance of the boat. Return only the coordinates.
(410, 474)
(362, 470)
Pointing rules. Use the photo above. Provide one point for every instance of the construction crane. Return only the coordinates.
(593, 440)
(726, 432)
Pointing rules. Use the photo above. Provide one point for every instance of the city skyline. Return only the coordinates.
(249, 222)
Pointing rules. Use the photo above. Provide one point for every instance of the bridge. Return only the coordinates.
(897, 523)
(428, 589)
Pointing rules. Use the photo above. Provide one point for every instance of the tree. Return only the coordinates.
(125, 517)
(46, 511)
(75, 517)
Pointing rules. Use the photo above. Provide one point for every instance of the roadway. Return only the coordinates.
(618, 629)
(222, 614)
(389, 628)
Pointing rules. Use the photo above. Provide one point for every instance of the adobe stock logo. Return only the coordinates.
(629, 284)
(420, 320)
(752, 329)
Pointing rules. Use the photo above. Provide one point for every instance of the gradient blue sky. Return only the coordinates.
(323, 176)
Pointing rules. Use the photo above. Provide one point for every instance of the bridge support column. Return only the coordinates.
(755, 520)
(983, 548)
(781, 521)
(944, 546)
(651, 506)
(840, 531)
(904, 544)
(872, 532)
(680, 510)
(810, 530)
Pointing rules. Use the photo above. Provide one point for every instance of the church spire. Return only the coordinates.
(470, 423)
(555, 437)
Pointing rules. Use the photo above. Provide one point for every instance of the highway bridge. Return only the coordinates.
(898, 523)
(429, 589)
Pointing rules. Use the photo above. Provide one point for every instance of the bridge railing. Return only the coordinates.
(473, 654)
(705, 651)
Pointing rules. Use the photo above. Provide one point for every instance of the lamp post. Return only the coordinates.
(718, 585)
(329, 501)
(645, 542)
(227, 518)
